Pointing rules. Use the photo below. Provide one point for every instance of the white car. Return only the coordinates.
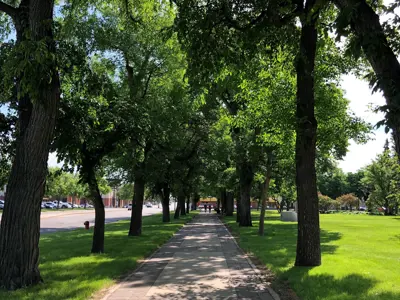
(65, 205)
(75, 206)
(1, 204)
(149, 205)
(50, 205)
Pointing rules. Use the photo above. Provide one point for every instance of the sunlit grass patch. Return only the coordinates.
(360, 256)
(71, 272)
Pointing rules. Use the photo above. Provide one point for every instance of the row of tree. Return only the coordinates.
(185, 98)
(378, 184)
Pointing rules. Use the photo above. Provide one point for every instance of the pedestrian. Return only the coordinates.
(209, 208)
(205, 207)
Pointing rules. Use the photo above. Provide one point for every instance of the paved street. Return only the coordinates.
(71, 219)
(201, 261)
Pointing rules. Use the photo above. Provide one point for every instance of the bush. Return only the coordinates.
(348, 200)
(326, 203)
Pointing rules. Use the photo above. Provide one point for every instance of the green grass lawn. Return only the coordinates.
(70, 272)
(360, 256)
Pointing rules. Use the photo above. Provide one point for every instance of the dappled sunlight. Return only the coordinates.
(71, 272)
(195, 265)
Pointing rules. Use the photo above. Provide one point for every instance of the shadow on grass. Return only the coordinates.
(278, 246)
(69, 270)
(277, 250)
(327, 287)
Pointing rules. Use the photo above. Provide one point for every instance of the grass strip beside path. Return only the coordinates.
(360, 256)
(71, 272)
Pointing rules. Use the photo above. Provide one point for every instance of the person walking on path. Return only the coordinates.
(209, 208)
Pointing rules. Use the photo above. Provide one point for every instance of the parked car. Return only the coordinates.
(362, 208)
(130, 207)
(1, 204)
(89, 206)
(75, 206)
(50, 205)
(65, 205)
(149, 205)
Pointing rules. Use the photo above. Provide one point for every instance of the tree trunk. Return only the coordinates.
(387, 210)
(188, 204)
(229, 204)
(223, 201)
(308, 239)
(165, 204)
(99, 222)
(246, 181)
(181, 203)
(365, 22)
(20, 224)
(135, 228)
(238, 207)
(264, 196)
(177, 211)
(195, 199)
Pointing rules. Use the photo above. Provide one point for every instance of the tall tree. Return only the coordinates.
(383, 178)
(33, 67)
(308, 237)
(361, 18)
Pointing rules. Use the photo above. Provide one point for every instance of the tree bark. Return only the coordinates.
(238, 206)
(181, 203)
(308, 239)
(188, 204)
(196, 199)
(135, 228)
(246, 180)
(365, 22)
(229, 204)
(177, 211)
(165, 204)
(223, 201)
(20, 224)
(99, 222)
(264, 196)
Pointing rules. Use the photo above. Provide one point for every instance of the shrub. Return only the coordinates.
(326, 203)
(348, 200)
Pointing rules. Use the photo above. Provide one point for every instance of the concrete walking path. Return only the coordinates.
(201, 261)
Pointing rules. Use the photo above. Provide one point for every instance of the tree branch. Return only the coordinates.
(8, 9)
(147, 85)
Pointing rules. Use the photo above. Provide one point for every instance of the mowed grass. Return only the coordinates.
(71, 272)
(360, 256)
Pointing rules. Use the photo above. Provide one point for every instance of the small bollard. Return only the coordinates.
(86, 225)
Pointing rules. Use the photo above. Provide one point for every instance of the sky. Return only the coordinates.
(359, 94)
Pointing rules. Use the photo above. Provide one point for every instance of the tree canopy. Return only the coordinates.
(240, 100)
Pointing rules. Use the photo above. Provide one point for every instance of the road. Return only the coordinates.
(70, 219)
